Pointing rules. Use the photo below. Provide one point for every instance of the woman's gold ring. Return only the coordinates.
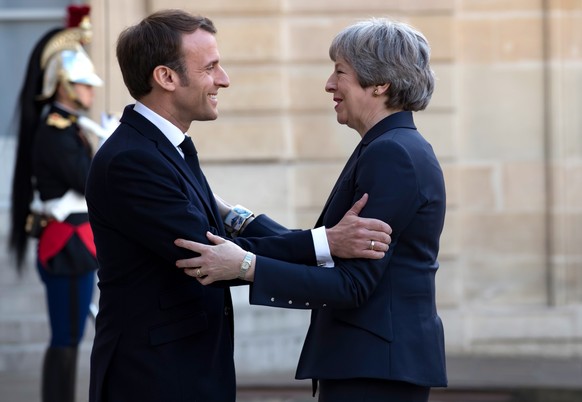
(198, 273)
(371, 245)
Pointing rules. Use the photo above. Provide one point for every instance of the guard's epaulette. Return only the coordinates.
(58, 121)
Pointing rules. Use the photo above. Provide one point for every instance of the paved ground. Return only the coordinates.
(24, 387)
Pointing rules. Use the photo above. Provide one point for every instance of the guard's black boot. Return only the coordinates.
(59, 374)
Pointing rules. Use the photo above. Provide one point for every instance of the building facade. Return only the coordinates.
(505, 121)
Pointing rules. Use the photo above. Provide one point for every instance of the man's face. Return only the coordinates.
(85, 94)
(75, 96)
(197, 93)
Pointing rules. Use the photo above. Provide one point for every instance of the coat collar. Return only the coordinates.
(396, 120)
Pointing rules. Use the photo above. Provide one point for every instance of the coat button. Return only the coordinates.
(290, 302)
(324, 305)
(227, 311)
(272, 299)
(307, 304)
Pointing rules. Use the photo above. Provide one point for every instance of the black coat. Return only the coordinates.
(160, 335)
(374, 318)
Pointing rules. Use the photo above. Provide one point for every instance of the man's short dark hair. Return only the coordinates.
(155, 41)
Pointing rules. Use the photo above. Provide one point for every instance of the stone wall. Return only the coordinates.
(505, 122)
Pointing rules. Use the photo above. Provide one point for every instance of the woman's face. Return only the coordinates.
(355, 106)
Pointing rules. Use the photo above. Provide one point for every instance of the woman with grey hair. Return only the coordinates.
(375, 334)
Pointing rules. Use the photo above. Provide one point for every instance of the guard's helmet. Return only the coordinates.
(65, 61)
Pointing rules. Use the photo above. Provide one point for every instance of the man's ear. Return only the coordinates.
(165, 77)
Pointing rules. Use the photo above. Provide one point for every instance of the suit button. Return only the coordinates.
(307, 304)
(324, 305)
(227, 311)
(290, 302)
(272, 299)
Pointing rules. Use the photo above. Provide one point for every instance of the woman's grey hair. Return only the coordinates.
(388, 52)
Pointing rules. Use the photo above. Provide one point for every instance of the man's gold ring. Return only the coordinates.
(371, 245)
(198, 273)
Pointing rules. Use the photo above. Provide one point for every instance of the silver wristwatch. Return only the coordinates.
(236, 219)
(245, 265)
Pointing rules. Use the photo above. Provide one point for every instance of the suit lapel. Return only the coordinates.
(350, 164)
(151, 132)
(396, 120)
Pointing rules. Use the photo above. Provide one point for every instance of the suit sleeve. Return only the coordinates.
(157, 206)
(154, 206)
(266, 237)
(385, 171)
(263, 226)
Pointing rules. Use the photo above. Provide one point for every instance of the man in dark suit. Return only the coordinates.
(161, 335)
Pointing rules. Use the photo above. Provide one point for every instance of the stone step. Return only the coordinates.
(22, 300)
(30, 328)
(28, 357)
(23, 329)
(23, 340)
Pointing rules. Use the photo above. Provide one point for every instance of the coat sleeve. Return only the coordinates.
(157, 206)
(266, 237)
(385, 171)
(152, 206)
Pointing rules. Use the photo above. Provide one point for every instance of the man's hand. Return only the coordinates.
(219, 261)
(355, 237)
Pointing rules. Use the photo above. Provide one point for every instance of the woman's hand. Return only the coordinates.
(219, 261)
(356, 237)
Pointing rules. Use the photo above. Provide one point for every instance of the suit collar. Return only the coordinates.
(150, 131)
(172, 133)
(64, 111)
(143, 125)
(396, 120)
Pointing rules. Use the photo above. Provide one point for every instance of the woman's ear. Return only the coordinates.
(381, 89)
(165, 77)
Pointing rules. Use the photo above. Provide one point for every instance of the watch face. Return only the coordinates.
(246, 262)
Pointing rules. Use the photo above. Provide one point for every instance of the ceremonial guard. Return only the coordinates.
(56, 143)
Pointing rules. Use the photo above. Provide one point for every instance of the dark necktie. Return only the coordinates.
(191, 157)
